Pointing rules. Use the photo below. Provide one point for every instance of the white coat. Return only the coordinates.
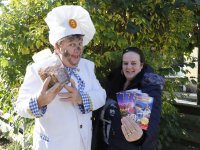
(63, 123)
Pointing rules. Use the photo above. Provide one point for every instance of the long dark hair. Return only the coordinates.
(115, 80)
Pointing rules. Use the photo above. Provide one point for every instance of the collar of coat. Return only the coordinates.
(147, 77)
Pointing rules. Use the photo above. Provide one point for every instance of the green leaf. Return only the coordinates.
(50, 2)
(32, 129)
(177, 69)
(10, 118)
(132, 28)
(177, 123)
(158, 9)
(165, 13)
(169, 139)
(192, 65)
(167, 143)
(16, 130)
(159, 145)
(197, 2)
(4, 63)
(192, 77)
(38, 44)
(6, 134)
(30, 13)
(193, 81)
(161, 137)
(190, 5)
(177, 3)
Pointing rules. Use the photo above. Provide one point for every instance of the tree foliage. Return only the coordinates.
(163, 29)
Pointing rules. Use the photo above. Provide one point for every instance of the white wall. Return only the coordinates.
(193, 72)
(5, 2)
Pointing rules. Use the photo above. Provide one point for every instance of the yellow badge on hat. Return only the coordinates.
(72, 23)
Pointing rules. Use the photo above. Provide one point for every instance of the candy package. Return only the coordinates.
(48, 64)
(137, 105)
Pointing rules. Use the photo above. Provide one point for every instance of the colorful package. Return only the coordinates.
(137, 105)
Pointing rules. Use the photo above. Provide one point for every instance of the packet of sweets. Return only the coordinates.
(137, 105)
(143, 106)
(48, 64)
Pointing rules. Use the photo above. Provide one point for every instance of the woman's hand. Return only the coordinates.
(131, 129)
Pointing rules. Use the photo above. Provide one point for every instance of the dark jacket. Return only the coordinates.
(149, 83)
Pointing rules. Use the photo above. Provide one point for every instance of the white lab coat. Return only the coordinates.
(63, 123)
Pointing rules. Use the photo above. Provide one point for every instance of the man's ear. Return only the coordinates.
(57, 48)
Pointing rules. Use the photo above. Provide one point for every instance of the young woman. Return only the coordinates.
(123, 133)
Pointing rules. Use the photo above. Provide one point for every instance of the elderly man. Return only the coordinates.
(63, 115)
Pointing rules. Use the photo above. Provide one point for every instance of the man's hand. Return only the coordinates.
(73, 95)
(45, 96)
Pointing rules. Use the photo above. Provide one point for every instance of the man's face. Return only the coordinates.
(70, 50)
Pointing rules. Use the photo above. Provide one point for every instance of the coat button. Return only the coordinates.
(81, 126)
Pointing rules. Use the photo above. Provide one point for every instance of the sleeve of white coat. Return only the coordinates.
(97, 95)
(27, 93)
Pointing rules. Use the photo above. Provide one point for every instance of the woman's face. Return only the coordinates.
(131, 65)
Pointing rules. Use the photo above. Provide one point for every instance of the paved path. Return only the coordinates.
(186, 98)
(186, 102)
(187, 95)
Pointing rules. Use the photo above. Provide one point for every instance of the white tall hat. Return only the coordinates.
(68, 20)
